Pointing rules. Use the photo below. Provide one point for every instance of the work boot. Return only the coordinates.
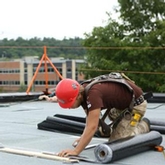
(124, 129)
(142, 127)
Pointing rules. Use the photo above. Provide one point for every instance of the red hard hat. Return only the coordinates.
(67, 91)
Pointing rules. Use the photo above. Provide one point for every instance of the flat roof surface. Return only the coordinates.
(18, 129)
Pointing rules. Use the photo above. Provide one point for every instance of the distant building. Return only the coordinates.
(18, 74)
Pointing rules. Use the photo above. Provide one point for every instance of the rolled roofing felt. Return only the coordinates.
(74, 124)
(66, 121)
(157, 122)
(57, 127)
(74, 118)
(108, 152)
(52, 125)
(58, 124)
(157, 125)
(158, 128)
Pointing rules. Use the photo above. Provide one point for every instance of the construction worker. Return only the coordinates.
(122, 98)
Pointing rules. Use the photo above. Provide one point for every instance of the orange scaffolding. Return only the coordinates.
(46, 59)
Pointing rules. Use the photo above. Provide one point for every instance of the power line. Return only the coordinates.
(137, 72)
(81, 47)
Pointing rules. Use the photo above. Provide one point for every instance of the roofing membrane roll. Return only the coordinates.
(66, 121)
(157, 122)
(108, 152)
(61, 125)
(74, 124)
(158, 128)
(157, 125)
(74, 118)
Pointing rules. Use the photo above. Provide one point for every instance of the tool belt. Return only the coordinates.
(139, 100)
(106, 129)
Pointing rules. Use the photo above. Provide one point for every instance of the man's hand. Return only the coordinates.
(90, 129)
(67, 152)
(43, 97)
(47, 98)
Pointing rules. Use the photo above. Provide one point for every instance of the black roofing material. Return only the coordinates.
(74, 118)
(108, 152)
(18, 97)
(76, 125)
(66, 122)
(63, 125)
(60, 125)
(158, 122)
(157, 125)
(159, 128)
(157, 98)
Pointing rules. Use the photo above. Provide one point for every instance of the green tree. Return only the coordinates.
(145, 20)
(134, 45)
(99, 56)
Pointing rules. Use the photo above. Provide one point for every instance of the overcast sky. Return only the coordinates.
(52, 18)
